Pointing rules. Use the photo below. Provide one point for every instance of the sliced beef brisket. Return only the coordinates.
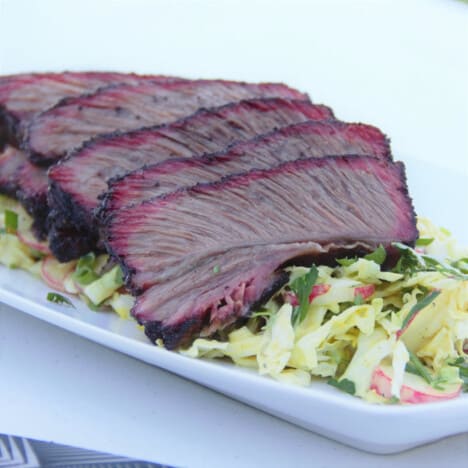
(28, 183)
(204, 255)
(78, 181)
(202, 190)
(32, 193)
(54, 133)
(23, 96)
(303, 140)
(11, 160)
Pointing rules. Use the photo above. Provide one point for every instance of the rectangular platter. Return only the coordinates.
(319, 408)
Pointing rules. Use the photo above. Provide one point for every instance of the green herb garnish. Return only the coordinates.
(358, 299)
(378, 255)
(393, 400)
(416, 367)
(59, 299)
(302, 287)
(216, 269)
(461, 265)
(11, 222)
(423, 241)
(84, 271)
(262, 313)
(345, 385)
(345, 261)
(411, 262)
(424, 302)
(459, 361)
(462, 364)
(118, 278)
(447, 270)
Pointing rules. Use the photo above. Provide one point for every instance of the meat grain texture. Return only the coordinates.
(24, 96)
(77, 182)
(66, 126)
(291, 142)
(214, 186)
(245, 228)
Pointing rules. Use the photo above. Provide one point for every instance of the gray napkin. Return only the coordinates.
(19, 452)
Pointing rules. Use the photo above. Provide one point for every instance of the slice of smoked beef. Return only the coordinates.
(11, 159)
(32, 193)
(79, 180)
(25, 95)
(26, 182)
(297, 141)
(66, 126)
(204, 256)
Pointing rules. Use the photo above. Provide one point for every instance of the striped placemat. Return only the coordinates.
(20, 452)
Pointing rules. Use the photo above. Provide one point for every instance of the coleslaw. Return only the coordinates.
(93, 278)
(385, 336)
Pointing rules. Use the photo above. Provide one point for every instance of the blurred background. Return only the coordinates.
(401, 65)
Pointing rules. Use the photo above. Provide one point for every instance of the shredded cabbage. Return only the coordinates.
(17, 252)
(369, 331)
(366, 329)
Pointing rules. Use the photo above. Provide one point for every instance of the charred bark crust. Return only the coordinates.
(72, 232)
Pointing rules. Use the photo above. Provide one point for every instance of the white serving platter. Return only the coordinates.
(362, 58)
(319, 408)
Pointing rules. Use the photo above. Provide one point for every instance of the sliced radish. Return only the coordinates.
(319, 290)
(365, 291)
(27, 238)
(55, 273)
(414, 388)
(291, 298)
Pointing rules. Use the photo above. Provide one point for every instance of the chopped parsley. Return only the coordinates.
(84, 272)
(416, 367)
(424, 241)
(302, 288)
(424, 302)
(11, 222)
(59, 299)
(358, 299)
(462, 364)
(461, 265)
(262, 313)
(394, 400)
(378, 255)
(345, 385)
(411, 262)
(345, 261)
(119, 278)
(447, 270)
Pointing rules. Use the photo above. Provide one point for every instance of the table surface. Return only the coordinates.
(64, 388)
(400, 65)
